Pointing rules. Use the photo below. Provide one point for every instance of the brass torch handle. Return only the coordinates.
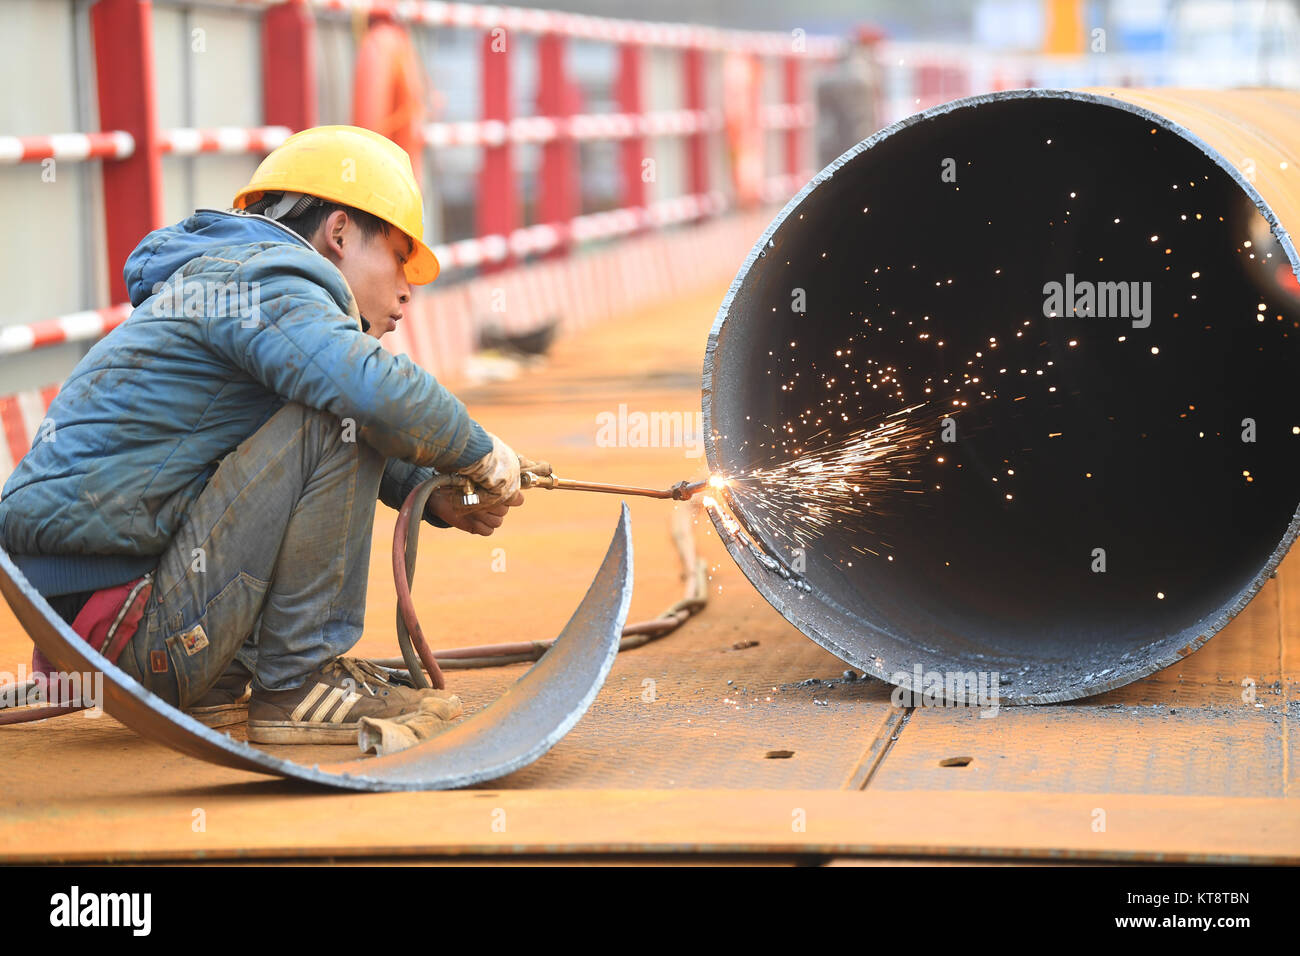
(679, 492)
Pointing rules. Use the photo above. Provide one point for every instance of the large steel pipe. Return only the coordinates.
(1010, 387)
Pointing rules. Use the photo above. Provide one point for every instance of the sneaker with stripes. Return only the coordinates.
(328, 707)
(226, 702)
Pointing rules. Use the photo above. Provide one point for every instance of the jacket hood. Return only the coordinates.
(165, 250)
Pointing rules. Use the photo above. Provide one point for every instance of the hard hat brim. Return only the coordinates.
(423, 266)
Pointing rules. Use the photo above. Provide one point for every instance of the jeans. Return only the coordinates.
(270, 565)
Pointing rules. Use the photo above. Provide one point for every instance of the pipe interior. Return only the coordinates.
(1082, 433)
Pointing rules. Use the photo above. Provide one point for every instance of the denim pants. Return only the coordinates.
(270, 565)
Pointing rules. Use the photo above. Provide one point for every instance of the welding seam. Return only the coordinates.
(768, 561)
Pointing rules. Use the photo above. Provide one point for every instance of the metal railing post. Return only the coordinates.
(498, 204)
(289, 66)
(558, 201)
(133, 197)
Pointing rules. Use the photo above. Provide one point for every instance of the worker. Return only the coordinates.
(227, 443)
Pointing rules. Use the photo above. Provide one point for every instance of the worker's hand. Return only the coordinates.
(477, 519)
(496, 474)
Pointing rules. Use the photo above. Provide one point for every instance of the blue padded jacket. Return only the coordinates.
(234, 315)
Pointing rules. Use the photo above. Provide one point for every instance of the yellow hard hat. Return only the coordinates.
(356, 167)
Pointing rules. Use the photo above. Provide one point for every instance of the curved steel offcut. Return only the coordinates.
(519, 727)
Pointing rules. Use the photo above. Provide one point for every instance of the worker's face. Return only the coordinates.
(373, 267)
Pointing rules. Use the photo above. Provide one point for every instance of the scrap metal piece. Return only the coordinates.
(512, 732)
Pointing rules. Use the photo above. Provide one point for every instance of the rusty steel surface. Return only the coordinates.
(935, 825)
(512, 732)
(1134, 448)
(686, 720)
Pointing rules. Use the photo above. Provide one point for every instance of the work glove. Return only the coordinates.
(444, 504)
(540, 468)
(496, 474)
(383, 736)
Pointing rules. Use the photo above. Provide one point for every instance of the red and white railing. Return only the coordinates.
(133, 143)
(582, 27)
(117, 144)
(76, 327)
(917, 75)
(584, 127)
(69, 147)
(131, 146)
(532, 240)
(222, 139)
